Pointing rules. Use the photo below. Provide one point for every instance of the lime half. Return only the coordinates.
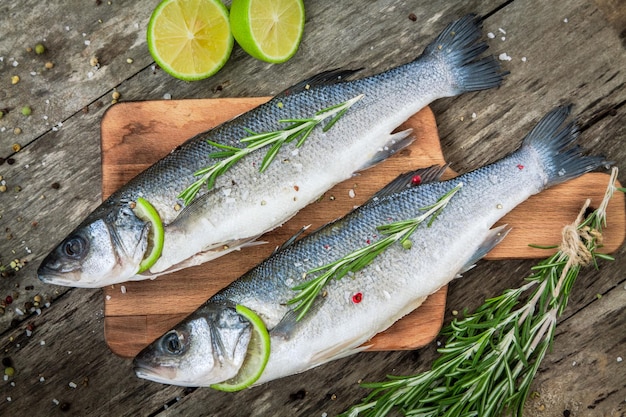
(269, 30)
(256, 357)
(190, 39)
(146, 212)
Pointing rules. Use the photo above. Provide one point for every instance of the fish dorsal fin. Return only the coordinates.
(324, 78)
(291, 240)
(411, 179)
(395, 143)
(495, 236)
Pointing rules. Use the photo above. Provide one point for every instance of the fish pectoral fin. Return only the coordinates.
(286, 326)
(408, 179)
(395, 143)
(494, 237)
(339, 350)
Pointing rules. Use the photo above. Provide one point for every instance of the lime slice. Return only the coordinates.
(144, 210)
(269, 30)
(190, 39)
(256, 357)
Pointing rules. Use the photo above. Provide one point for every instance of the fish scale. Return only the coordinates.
(245, 203)
(353, 309)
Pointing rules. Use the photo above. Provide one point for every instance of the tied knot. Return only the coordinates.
(575, 239)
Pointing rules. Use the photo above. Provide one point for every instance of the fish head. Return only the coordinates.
(105, 249)
(207, 347)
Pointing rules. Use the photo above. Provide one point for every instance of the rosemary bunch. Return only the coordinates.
(491, 356)
(298, 129)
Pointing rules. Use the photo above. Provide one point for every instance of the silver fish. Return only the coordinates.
(108, 246)
(201, 350)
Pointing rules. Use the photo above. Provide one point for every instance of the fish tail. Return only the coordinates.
(552, 141)
(459, 50)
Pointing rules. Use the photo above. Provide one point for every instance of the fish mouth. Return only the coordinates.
(160, 375)
(50, 272)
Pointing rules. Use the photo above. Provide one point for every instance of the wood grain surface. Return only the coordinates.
(135, 135)
(570, 52)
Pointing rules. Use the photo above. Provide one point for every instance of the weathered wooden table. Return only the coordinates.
(573, 51)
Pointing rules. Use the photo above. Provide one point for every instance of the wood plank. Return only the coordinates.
(133, 139)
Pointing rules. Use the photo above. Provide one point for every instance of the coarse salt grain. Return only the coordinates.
(9, 399)
(108, 297)
(90, 74)
(42, 379)
(19, 312)
(123, 289)
(29, 333)
(167, 96)
(523, 59)
(619, 359)
(351, 193)
(55, 401)
(72, 385)
(504, 57)
(43, 342)
(565, 20)
(491, 35)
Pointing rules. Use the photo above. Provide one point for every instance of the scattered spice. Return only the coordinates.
(64, 406)
(17, 131)
(26, 110)
(9, 371)
(49, 65)
(129, 60)
(16, 147)
(55, 185)
(8, 300)
(15, 79)
(412, 17)
(40, 49)
(357, 298)
(10, 161)
(3, 188)
(93, 61)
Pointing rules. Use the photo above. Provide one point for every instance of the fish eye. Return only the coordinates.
(173, 343)
(74, 247)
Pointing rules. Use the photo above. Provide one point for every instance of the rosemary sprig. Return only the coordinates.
(491, 356)
(299, 129)
(399, 231)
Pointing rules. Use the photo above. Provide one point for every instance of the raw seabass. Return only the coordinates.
(111, 243)
(209, 346)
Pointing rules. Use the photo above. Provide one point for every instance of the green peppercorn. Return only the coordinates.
(40, 49)
(9, 371)
(26, 111)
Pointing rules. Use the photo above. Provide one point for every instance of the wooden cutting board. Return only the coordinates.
(136, 134)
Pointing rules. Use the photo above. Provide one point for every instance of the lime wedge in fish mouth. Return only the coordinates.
(256, 357)
(146, 212)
